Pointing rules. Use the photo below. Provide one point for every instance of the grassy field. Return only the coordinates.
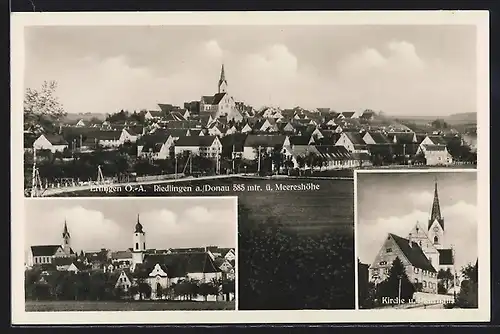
(58, 306)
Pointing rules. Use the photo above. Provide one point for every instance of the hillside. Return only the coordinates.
(462, 118)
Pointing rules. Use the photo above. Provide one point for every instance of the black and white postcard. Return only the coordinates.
(127, 123)
(417, 240)
(130, 254)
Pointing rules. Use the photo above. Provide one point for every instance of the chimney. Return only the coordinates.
(410, 240)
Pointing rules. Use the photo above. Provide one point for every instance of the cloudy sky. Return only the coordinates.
(402, 70)
(109, 223)
(395, 202)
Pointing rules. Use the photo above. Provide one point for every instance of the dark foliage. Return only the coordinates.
(285, 270)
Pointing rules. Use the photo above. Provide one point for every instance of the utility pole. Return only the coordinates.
(258, 164)
(33, 176)
(175, 165)
(190, 164)
(234, 157)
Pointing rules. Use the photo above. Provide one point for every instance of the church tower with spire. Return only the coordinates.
(139, 240)
(222, 87)
(66, 239)
(436, 221)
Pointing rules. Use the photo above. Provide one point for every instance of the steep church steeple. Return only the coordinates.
(66, 239)
(222, 87)
(436, 209)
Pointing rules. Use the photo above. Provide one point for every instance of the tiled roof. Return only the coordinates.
(207, 99)
(437, 140)
(178, 264)
(198, 141)
(414, 254)
(379, 138)
(435, 147)
(55, 139)
(46, 250)
(355, 138)
(445, 256)
(121, 255)
(335, 152)
(348, 114)
(166, 107)
(217, 98)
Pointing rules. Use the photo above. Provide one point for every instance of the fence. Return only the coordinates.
(430, 298)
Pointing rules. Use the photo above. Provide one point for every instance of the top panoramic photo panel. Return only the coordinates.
(137, 110)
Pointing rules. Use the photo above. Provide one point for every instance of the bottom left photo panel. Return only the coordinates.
(130, 254)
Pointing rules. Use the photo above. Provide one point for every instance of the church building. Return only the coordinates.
(50, 254)
(423, 252)
(160, 271)
(221, 104)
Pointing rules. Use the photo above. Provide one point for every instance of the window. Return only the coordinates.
(388, 250)
(136, 245)
(436, 239)
(415, 270)
(416, 280)
(382, 263)
(424, 284)
(143, 245)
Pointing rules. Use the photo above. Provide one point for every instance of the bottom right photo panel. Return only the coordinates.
(417, 239)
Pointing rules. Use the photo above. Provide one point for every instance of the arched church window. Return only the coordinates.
(144, 245)
(436, 239)
(136, 245)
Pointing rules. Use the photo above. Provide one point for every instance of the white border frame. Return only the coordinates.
(482, 313)
(21, 20)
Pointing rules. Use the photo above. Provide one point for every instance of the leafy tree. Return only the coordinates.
(42, 107)
(468, 295)
(159, 291)
(397, 284)
(206, 288)
(144, 290)
(446, 279)
(439, 124)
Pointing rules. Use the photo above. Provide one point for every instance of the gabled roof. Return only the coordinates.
(355, 138)
(379, 138)
(55, 139)
(445, 257)
(414, 254)
(207, 99)
(45, 250)
(402, 137)
(217, 98)
(437, 140)
(178, 264)
(348, 114)
(197, 141)
(156, 113)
